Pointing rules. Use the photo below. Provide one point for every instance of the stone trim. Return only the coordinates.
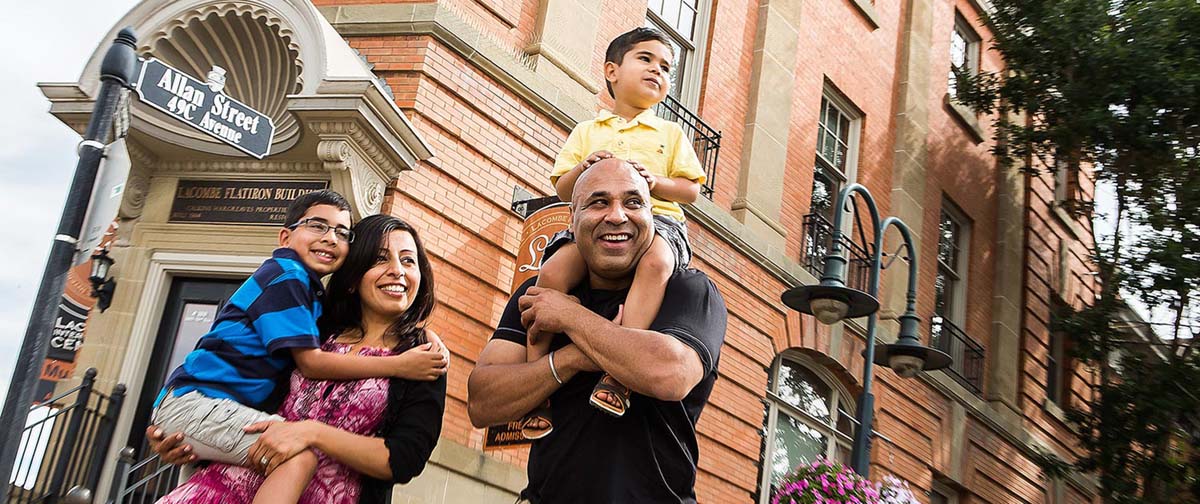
(966, 117)
(552, 55)
(868, 11)
(507, 66)
(724, 225)
(1009, 428)
(479, 466)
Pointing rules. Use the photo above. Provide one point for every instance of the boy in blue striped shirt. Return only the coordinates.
(267, 329)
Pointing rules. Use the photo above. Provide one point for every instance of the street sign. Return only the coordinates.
(205, 107)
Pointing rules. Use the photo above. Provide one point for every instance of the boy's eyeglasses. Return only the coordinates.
(320, 228)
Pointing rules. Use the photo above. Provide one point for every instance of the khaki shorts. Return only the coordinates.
(212, 426)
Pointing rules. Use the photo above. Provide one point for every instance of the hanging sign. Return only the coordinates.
(205, 107)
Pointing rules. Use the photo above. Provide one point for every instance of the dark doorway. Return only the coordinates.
(192, 305)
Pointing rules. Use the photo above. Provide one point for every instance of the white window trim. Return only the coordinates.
(689, 92)
(842, 399)
(958, 303)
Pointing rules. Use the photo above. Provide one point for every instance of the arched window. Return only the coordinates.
(808, 416)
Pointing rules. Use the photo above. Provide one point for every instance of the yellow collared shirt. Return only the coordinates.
(657, 144)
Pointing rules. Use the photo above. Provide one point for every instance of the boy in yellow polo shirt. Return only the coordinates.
(637, 65)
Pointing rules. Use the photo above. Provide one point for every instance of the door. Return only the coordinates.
(192, 306)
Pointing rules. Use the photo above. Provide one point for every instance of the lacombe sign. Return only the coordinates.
(205, 107)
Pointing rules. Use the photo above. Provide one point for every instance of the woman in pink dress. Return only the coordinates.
(367, 434)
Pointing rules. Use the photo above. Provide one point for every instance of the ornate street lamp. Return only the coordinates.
(102, 286)
(832, 301)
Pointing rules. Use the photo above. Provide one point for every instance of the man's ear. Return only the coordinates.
(284, 234)
(571, 225)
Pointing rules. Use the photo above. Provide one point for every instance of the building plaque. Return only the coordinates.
(238, 201)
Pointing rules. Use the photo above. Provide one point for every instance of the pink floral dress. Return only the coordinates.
(353, 406)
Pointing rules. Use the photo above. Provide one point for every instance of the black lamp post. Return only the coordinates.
(116, 72)
(832, 301)
(102, 285)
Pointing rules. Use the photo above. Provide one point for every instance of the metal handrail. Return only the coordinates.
(967, 353)
(818, 241)
(705, 140)
(64, 449)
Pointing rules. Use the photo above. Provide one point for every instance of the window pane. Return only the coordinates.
(941, 293)
(795, 443)
(670, 12)
(800, 388)
(824, 193)
(655, 5)
(958, 49)
(844, 130)
(686, 26)
(844, 424)
(948, 242)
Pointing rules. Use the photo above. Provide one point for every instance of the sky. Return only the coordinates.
(44, 42)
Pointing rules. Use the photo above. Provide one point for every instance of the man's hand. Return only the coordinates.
(170, 449)
(651, 179)
(547, 311)
(594, 158)
(278, 442)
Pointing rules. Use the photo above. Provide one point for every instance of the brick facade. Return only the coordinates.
(488, 140)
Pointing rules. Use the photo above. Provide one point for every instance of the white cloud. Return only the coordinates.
(44, 41)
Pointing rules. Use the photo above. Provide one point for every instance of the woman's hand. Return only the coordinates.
(170, 449)
(420, 363)
(279, 442)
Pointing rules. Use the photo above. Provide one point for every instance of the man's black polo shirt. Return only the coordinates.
(649, 454)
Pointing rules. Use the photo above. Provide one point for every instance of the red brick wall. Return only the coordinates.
(487, 140)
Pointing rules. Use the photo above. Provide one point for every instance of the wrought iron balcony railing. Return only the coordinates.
(705, 139)
(968, 355)
(818, 240)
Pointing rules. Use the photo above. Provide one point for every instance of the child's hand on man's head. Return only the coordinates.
(594, 158)
(651, 180)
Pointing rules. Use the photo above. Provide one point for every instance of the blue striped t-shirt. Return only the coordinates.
(246, 353)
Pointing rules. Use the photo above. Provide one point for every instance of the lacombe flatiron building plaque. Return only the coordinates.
(237, 201)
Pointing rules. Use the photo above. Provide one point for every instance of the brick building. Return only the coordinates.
(788, 101)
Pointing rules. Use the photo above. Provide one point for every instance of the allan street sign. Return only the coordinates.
(205, 107)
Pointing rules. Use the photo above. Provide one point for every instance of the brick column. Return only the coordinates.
(760, 180)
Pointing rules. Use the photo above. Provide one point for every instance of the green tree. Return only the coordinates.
(1114, 85)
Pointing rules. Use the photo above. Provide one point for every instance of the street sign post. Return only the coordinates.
(203, 106)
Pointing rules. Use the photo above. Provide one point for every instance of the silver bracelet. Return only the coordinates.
(554, 372)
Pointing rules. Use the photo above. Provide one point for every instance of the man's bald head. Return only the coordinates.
(604, 173)
(611, 219)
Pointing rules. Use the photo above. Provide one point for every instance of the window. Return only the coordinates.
(1056, 389)
(964, 52)
(837, 153)
(950, 282)
(685, 23)
(942, 494)
(807, 417)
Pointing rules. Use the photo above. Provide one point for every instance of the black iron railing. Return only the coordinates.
(968, 355)
(818, 240)
(144, 481)
(64, 442)
(705, 139)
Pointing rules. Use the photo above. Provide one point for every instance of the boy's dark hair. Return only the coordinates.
(625, 41)
(300, 205)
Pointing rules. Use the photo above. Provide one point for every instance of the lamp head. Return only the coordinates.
(907, 356)
(831, 301)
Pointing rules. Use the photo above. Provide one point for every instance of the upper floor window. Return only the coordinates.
(949, 288)
(685, 23)
(964, 52)
(837, 148)
(808, 416)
